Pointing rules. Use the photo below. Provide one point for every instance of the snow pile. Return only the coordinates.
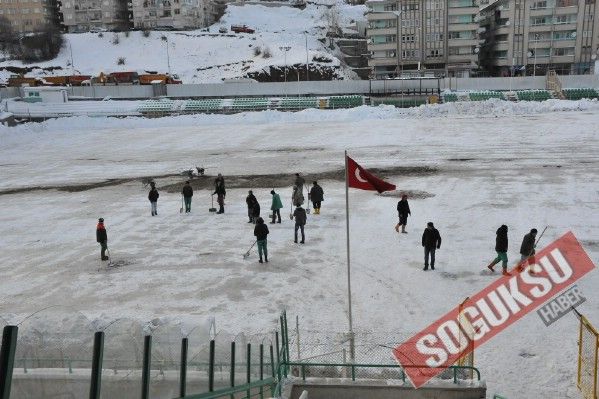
(534, 167)
(493, 107)
(204, 56)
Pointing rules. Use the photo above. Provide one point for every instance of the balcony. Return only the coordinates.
(462, 11)
(566, 10)
(462, 42)
(499, 46)
(563, 43)
(382, 46)
(454, 27)
(462, 58)
(381, 31)
(374, 62)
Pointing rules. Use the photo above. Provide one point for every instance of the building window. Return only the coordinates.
(539, 20)
(538, 4)
(410, 7)
(409, 53)
(563, 51)
(566, 3)
(434, 53)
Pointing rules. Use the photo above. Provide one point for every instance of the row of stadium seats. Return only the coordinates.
(485, 95)
(156, 106)
(398, 102)
(533, 95)
(577, 94)
(345, 101)
(522, 95)
(248, 104)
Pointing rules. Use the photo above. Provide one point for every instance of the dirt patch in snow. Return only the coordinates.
(285, 180)
(239, 181)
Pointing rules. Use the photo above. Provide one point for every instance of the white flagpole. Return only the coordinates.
(351, 329)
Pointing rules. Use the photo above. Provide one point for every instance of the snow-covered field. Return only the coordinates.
(525, 165)
(207, 56)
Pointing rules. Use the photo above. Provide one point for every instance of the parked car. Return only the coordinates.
(222, 29)
(241, 29)
(148, 79)
(20, 80)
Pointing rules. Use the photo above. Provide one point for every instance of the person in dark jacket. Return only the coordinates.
(256, 211)
(527, 249)
(501, 244)
(219, 190)
(261, 233)
(276, 206)
(102, 238)
(187, 193)
(431, 241)
(403, 210)
(316, 195)
(153, 197)
(250, 200)
(300, 221)
(297, 197)
(299, 182)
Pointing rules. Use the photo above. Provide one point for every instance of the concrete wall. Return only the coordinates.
(319, 88)
(356, 391)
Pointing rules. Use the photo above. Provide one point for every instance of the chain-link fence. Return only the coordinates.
(54, 356)
(588, 357)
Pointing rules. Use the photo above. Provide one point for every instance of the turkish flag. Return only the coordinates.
(358, 177)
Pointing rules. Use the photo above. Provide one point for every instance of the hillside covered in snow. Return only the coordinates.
(208, 56)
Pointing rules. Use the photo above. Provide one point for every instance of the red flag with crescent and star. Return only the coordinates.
(358, 177)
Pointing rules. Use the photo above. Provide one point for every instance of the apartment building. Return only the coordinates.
(177, 14)
(29, 16)
(529, 37)
(408, 37)
(86, 15)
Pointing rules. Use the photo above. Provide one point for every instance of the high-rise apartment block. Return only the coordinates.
(85, 15)
(529, 37)
(426, 36)
(29, 16)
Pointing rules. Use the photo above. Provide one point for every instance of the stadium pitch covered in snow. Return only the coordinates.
(469, 168)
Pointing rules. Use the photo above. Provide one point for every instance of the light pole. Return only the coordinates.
(398, 38)
(168, 59)
(285, 49)
(307, 73)
(72, 62)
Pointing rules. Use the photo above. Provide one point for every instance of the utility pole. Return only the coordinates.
(307, 61)
(285, 49)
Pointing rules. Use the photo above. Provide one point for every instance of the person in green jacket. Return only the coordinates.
(276, 206)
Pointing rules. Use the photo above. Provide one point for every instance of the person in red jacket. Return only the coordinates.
(102, 238)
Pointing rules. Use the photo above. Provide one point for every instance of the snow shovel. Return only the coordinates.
(181, 209)
(308, 202)
(109, 257)
(291, 209)
(212, 209)
(247, 254)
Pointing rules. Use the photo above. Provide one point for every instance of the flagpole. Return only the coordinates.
(351, 329)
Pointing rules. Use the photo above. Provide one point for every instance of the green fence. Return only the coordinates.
(264, 367)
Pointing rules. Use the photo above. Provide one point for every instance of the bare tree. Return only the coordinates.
(9, 39)
(42, 45)
(332, 16)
